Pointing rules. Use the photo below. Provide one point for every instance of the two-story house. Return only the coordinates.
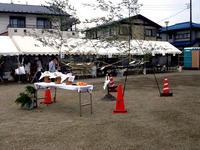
(135, 27)
(179, 36)
(18, 19)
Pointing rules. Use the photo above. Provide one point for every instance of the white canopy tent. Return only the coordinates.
(88, 47)
(80, 47)
(7, 47)
(143, 47)
(160, 47)
(28, 45)
(137, 47)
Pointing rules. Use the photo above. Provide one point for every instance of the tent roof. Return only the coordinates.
(137, 47)
(27, 45)
(143, 47)
(75, 46)
(7, 47)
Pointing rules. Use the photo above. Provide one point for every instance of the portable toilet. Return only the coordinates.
(191, 57)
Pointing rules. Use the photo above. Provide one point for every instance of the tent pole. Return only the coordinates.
(18, 70)
(156, 82)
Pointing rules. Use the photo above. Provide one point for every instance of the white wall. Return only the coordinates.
(31, 22)
(4, 22)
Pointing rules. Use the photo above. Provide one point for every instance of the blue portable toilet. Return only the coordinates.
(192, 57)
(187, 57)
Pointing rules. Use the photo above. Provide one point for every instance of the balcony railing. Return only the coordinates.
(36, 26)
(30, 31)
(30, 26)
(22, 30)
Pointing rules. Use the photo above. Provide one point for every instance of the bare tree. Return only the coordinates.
(113, 12)
(116, 11)
(62, 19)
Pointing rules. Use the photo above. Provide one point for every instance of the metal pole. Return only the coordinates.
(167, 22)
(129, 45)
(54, 99)
(80, 105)
(19, 70)
(190, 22)
(156, 82)
(90, 101)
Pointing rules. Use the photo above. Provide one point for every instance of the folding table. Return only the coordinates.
(79, 89)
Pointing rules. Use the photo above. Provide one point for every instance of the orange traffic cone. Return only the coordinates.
(108, 96)
(120, 108)
(47, 96)
(166, 89)
(112, 86)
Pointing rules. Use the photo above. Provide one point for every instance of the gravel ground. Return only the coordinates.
(152, 122)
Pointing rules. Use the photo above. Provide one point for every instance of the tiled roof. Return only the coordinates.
(178, 26)
(181, 43)
(28, 9)
(192, 48)
(184, 43)
(139, 16)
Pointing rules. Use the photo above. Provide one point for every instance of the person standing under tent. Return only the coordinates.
(39, 67)
(94, 71)
(57, 66)
(52, 65)
(27, 67)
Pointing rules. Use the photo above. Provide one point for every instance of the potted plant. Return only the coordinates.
(26, 98)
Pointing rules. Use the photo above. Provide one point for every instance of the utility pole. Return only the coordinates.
(166, 23)
(190, 22)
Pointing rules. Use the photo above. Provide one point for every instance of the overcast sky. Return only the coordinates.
(159, 11)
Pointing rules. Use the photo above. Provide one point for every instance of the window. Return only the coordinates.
(178, 36)
(92, 35)
(66, 24)
(112, 31)
(43, 23)
(170, 36)
(150, 32)
(17, 22)
(125, 30)
(182, 36)
(186, 35)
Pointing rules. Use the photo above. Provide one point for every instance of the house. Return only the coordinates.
(20, 22)
(179, 36)
(18, 19)
(140, 27)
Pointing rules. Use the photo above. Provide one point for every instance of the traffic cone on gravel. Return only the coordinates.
(47, 96)
(120, 108)
(112, 86)
(166, 89)
(108, 96)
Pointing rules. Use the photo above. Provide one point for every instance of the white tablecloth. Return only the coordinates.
(39, 85)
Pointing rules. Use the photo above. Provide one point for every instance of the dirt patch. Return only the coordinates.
(152, 122)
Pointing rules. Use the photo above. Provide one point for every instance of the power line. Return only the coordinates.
(161, 7)
(173, 15)
(174, 5)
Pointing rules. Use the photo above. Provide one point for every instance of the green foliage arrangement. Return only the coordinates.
(26, 98)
